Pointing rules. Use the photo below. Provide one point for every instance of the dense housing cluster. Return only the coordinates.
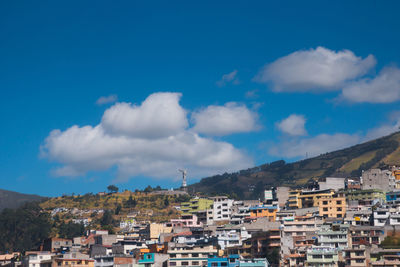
(336, 221)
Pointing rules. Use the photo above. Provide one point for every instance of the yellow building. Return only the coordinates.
(332, 206)
(264, 211)
(305, 199)
(396, 174)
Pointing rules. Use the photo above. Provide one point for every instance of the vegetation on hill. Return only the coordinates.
(106, 210)
(23, 228)
(250, 183)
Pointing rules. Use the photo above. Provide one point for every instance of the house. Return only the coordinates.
(153, 260)
(36, 258)
(322, 256)
(185, 255)
(56, 244)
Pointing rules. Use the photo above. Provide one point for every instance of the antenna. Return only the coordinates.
(184, 173)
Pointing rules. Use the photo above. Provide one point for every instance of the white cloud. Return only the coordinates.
(252, 94)
(160, 115)
(228, 78)
(296, 147)
(385, 129)
(384, 88)
(314, 69)
(314, 146)
(223, 120)
(107, 100)
(293, 125)
(120, 140)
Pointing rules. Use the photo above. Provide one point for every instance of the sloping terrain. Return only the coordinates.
(250, 183)
(12, 200)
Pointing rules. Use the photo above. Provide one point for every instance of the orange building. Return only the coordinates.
(264, 211)
(332, 206)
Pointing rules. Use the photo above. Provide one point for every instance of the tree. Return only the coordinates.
(166, 202)
(158, 188)
(107, 218)
(112, 188)
(130, 203)
(118, 209)
(71, 230)
(24, 228)
(148, 189)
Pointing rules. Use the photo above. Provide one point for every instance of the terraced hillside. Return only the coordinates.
(250, 183)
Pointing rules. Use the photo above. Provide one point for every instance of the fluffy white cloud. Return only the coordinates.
(119, 140)
(160, 115)
(107, 100)
(223, 120)
(384, 88)
(314, 146)
(228, 78)
(314, 69)
(293, 125)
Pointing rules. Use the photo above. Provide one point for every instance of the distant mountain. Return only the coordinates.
(250, 183)
(10, 199)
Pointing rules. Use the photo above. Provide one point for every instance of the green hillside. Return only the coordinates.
(250, 183)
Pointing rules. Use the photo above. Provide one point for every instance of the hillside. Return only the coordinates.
(147, 206)
(250, 183)
(12, 200)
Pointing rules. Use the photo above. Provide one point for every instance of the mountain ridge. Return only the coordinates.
(11, 199)
(250, 183)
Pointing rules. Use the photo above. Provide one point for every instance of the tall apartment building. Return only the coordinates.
(378, 179)
(335, 236)
(222, 208)
(332, 206)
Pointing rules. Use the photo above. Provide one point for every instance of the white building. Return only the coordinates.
(35, 258)
(222, 208)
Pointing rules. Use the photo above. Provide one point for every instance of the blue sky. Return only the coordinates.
(247, 83)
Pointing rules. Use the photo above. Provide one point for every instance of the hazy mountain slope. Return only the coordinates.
(10, 199)
(251, 182)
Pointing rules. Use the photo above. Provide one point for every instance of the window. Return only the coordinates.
(214, 264)
(325, 202)
(172, 263)
(325, 209)
(172, 255)
(224, 264)
(317, 256)
(359, 260)
(185, 263)
(195, 255)
(328, 256)
(339, 202)
(195, 263)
